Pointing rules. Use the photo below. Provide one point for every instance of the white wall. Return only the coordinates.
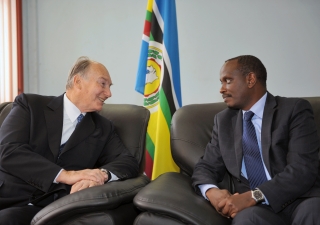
(284, 34)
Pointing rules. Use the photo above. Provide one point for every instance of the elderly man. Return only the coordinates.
(53, 146)
(268, 144)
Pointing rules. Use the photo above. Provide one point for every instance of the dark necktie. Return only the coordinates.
(79, 118)
(251, 153)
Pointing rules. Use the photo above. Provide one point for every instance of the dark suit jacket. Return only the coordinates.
(290, 146)
(30, 138)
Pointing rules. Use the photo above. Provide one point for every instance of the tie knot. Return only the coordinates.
(248, 115)
(80, 117)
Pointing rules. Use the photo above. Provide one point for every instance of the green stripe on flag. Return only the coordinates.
(151, 37)
(165, 107)
(149, 16)
(150, 146)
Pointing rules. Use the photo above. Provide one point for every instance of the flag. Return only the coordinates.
(158, 79)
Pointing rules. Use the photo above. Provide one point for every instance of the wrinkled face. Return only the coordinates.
(95, 88)
(234, 86)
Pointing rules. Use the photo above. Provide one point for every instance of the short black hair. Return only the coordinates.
(249, 63)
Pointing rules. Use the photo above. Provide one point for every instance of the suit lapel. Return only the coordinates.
(82, 131)
(268, 113)
(237, 127)
(54, 121)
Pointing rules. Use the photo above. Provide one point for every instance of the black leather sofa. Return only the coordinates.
(170, 199)
(110, 203)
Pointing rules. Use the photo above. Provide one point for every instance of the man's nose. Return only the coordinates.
(108, 93)
(222, 89)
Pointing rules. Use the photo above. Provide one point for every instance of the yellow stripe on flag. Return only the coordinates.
(159, 133)
(149, 6)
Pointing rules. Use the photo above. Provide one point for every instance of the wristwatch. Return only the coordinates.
(257, 195)
(107, 172)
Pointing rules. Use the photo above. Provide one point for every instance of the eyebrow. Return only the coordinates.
(102, 78)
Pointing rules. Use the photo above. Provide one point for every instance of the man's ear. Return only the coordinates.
(77, 81)
(251, 79)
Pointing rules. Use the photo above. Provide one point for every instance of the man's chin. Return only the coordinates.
(227, 101)
(99, 108)
(231, 105)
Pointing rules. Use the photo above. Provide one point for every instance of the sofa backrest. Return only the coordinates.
(191, 129)
(5, 108)
(130, 122)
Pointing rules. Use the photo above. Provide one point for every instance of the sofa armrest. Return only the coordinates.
(105, 197)
(172, 195)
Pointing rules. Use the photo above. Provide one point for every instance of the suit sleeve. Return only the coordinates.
(17, 155)
(295, 145)
(210, 169)
(117, 159)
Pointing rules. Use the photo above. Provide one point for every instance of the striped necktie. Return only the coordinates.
(251, 153)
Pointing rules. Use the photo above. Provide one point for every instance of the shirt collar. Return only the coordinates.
(72, 111)
(258, 107)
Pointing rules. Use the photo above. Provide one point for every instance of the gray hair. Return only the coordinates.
(80, 67)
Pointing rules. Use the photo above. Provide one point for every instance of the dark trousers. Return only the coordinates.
(301, 212)
(18, 215)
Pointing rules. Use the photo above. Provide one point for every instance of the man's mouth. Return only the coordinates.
(226, 96)
(102, 99)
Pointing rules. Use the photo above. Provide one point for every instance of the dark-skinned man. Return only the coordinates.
(268, 144)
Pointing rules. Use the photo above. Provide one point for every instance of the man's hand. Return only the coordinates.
(216, 195)
(230, 206)
(72, 177)
(83, 184)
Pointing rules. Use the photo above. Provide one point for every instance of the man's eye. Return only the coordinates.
(228, 81)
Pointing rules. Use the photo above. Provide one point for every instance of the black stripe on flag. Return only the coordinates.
(156, 29)
(166, 86)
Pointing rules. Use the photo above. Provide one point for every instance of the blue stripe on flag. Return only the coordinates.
(167, 9)
(142, 68)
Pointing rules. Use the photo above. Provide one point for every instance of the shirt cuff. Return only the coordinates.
(204, 188)
(113, 177)
(55, 179)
